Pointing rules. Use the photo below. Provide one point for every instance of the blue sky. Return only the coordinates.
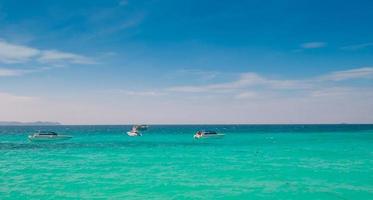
(163, 61)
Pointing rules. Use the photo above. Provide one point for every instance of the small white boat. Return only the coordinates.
(134, 131)
(207, 134)
(48, 136)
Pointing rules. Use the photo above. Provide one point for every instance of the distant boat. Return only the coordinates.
(207, 134)
(47, 136)
(135, 131)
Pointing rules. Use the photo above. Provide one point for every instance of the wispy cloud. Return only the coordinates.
(11, 72)
(245, 80)
(111, 20)
(359, 73)
(19, 72)
(250, 85)
(313, 45)
(51, 56)
(107, 29)
(14, 53)
(332, 92)
(357, 46)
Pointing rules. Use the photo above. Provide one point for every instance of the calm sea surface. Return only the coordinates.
(250, 162)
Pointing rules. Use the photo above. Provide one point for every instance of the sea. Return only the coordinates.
(249, 162)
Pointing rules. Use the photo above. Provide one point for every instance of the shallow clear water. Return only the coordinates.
(250, 162)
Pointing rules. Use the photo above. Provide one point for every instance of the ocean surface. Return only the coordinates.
(250, 162)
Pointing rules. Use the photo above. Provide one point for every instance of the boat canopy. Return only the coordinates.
(46, 133)
(208, 132)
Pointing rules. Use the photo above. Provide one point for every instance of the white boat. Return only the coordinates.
(207, 134)
(134, 131)
(48, 136)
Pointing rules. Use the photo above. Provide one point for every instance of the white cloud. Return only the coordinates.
(313, 45)
(109, 28)
(11, 72)
(19, 72)
(13, 53)
(357, 46)
(253, 81)
(360, 73)
(245, 80)
(51, 56)
(330, 92)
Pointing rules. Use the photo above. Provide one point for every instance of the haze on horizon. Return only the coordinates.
(173, 62)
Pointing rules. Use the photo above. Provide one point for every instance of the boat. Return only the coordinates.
(134, 131)
(47, 136)
(207, 134)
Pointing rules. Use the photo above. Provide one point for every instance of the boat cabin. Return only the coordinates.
(206, 133)
(46, 133)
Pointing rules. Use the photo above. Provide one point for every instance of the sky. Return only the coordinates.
(186, 62)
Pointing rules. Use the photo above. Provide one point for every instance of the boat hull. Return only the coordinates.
(133, 134)
(208, 136)
(49, 138)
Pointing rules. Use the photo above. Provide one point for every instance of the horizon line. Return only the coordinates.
(191, 124)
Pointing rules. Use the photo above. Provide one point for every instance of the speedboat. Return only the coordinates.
(48, 136)
(134, 131)
(207, 134)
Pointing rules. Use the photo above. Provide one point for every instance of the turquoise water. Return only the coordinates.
(250, 162)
